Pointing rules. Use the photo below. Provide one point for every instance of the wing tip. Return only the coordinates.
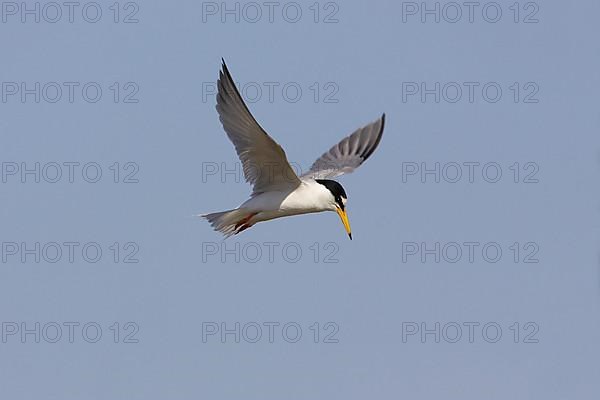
(371, 149)
(379, 134)
(224, 72)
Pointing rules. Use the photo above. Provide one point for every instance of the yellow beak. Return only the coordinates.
(344, 217)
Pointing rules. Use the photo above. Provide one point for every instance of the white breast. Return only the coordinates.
(309, 197)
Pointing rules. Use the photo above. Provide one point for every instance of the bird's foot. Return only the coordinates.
(243, 223)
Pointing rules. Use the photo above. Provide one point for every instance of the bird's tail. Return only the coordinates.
(229, 222)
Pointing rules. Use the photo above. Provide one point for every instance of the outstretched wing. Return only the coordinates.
(348, 154)
(264, 162)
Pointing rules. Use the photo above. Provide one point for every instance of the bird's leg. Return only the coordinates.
(243, 228)
(243, 223)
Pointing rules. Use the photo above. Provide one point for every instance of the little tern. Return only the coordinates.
(277, 190)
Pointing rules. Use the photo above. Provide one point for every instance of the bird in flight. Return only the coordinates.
(277, 190)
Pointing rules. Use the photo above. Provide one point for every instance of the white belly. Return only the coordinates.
(306, 198)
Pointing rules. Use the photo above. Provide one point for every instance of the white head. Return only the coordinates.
(338, 199)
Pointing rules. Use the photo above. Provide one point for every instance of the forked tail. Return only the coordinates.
(230, 222)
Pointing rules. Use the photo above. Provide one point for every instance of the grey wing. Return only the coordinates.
(348, 154)
(264, 162)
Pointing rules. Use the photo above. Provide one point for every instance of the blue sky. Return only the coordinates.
(474, 266)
